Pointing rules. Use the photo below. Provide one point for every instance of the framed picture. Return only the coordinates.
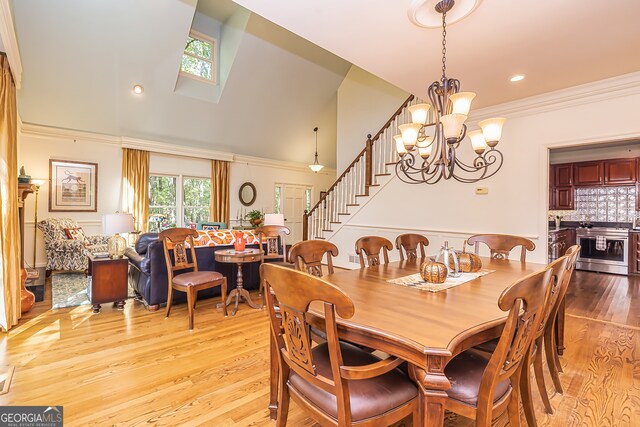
(73, 186)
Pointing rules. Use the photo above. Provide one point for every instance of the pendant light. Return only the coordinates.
(316, 167)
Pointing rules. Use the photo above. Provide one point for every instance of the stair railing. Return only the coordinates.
(357, 178)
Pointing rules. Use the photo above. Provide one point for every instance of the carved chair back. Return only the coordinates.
(273, 236)
(558, 272)
(410, 243)
(295, 291)
(175, 239)
(371, 246)
(524, 300)
(572, 256)
(308, 254)
(501, 245)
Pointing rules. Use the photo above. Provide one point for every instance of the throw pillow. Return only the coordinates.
(75, 233)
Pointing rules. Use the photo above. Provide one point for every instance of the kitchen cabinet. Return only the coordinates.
(560, 241)
(563, 198)
(620, 171)
(587, 174)
(563, 175)
(634, 252)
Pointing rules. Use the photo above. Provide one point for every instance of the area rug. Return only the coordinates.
(69, 289)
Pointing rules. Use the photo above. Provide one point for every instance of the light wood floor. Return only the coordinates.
(138, 368)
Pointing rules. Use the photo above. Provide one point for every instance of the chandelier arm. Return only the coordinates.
(489, 163)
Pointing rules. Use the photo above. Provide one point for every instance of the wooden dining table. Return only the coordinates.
(427, 329)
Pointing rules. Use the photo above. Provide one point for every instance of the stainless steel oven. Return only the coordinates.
(603, 249)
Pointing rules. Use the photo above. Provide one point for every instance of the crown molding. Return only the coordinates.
(280, 164)
(50, 132)
(40, 131)
(10, 42)
(615, 87)
(173, 149)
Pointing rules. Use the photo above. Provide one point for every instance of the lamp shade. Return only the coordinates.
(274, 219)
(419, 113)
(492, 130)
(400, 145)
(452, 125)
(117, 223)
(461, 102)
(410, 134)
(477, 141)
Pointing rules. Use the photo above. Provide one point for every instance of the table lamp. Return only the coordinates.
(115, 224)
(274, 219)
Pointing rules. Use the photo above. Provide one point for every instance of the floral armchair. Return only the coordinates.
(64, 253)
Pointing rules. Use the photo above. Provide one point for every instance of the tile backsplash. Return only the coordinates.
(603, 204)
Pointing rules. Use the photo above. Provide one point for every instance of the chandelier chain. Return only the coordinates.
(444, 45)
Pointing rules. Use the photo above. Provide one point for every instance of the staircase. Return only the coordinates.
(359, 180)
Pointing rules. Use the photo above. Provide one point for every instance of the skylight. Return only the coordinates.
(198, 60)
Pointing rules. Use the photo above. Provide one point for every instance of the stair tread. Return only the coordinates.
(328, 231)
(383, 174)
(335, 222)
(353, 204)
(340, 213)
(372, 185)
(362, 195)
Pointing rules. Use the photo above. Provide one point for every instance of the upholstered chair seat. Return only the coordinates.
(196, 278)
(465, 374)
(369, 397)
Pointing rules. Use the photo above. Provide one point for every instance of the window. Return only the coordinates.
(278, 202)
(197, 200)
(162, 202)
(178, 201)
(307, 194)
(198, 60)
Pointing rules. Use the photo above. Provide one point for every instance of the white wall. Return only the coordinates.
(517, 199)
(35, 150)
(595, 152)
(365, 103)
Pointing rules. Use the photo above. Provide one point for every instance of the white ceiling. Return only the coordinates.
(555, 43)
(81, 59)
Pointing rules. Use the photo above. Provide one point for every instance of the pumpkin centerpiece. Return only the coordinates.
(469, 262)
(433, 272)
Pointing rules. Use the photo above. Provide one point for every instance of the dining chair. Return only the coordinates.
(337, 383)
(174, 241)
(371, 247)
(485, 384)
(410, 243)
(501, 245)
(308, 254)
(275, 250)
(550, 336)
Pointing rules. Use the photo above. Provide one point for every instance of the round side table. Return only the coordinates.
(239, 258)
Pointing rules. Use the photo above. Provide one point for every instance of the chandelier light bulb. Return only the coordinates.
(477, 141)
(400, 145)
(461, 102)
(419, 113)
(425, 152)
(452, 125)
(410, 134)
(492, 130)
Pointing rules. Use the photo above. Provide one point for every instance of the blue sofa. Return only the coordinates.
(148, 271)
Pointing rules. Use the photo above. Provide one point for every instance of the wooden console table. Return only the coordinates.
(239, 258)
(27, 298)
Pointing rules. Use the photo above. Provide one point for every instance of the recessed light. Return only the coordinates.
(517, 78)
(138, 89)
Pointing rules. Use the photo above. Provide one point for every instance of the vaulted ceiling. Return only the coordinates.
(555, 43)
(82, 58)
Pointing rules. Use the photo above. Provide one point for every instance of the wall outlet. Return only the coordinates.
(482, 190)
(354, 259)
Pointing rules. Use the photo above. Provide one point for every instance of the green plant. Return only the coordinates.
(255, 217)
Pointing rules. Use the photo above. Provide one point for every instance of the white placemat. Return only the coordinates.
(415, 281)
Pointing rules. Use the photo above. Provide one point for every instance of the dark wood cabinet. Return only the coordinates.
(634, 252)
(560, 241)
(620, 171)
(563, 198)
(563, 175)
(108, 281)
(587, 174)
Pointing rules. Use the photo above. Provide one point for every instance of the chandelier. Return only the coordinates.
(428, 148)
(316, 167)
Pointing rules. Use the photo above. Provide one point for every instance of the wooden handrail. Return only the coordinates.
(367, 152)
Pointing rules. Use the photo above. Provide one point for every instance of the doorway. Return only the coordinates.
(292, 200)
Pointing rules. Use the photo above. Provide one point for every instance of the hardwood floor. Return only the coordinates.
(136, 367)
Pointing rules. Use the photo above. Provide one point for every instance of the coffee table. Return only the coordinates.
(239, 258)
